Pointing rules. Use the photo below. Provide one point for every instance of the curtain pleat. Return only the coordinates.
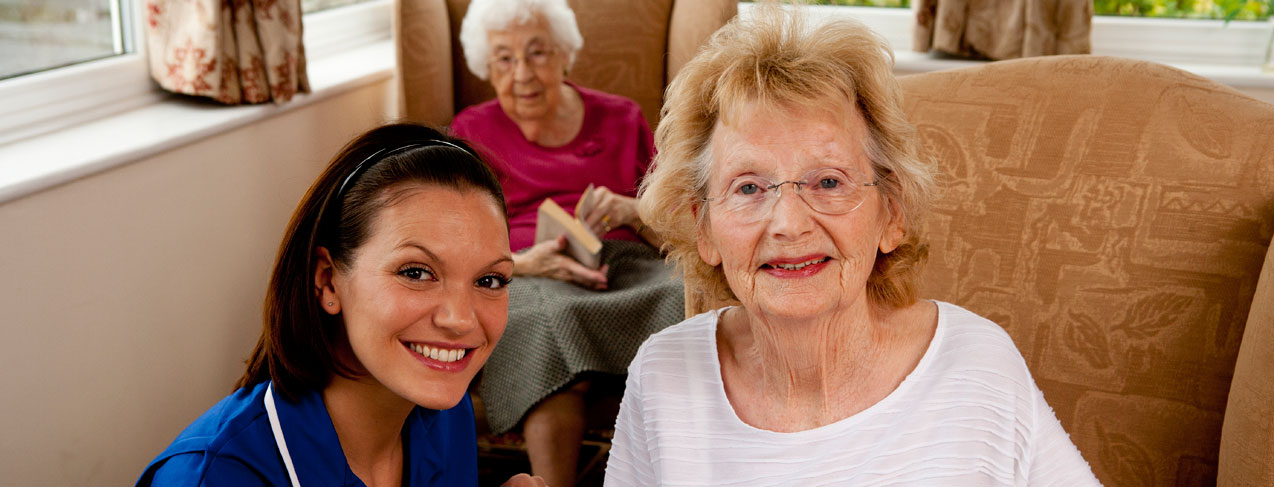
(232, 51)
(1003, 29)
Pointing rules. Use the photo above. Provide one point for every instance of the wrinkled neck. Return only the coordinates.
(814, 364)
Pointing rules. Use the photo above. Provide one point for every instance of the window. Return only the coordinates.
(1189, 34)
(38, 35)
(68, 62)
(46, 34)
(1176, 9)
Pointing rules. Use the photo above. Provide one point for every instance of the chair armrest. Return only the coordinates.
(1247, 435)
(422, 34)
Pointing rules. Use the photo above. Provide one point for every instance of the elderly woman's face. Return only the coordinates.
(788, 252)
(527, 69)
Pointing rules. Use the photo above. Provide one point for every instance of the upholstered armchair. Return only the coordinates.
(631, 48)
(1115, 217)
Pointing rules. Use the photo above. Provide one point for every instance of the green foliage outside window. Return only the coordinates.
(1176, 9)
(1186, 9)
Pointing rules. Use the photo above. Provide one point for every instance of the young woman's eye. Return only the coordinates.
(416, 273)
(493, 281)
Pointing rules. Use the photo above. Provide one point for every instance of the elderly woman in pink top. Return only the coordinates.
(547, 137)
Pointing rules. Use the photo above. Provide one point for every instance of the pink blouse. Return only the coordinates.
(613, 149)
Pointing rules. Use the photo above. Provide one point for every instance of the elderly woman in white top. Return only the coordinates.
(788, 183)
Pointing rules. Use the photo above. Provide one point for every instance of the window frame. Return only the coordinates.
(45, 102)
(48, 100)
(1180, 42)
(1183, 41)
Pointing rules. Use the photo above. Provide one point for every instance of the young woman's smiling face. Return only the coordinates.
(424, 299)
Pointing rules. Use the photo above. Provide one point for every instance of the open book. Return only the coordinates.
(581, 243)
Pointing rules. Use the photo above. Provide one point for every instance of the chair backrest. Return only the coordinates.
(1113, 216)
(631, 48)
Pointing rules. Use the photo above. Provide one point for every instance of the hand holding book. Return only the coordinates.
(577, 238)
(603, 210)
(598, 211)
(545, 259)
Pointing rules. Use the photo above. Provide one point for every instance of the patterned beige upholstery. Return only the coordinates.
(1115, 216)
(631, 48)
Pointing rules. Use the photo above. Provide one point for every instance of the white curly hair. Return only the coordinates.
(488, 15)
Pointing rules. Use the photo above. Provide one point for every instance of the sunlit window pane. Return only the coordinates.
(1185, 9)
(36, 35)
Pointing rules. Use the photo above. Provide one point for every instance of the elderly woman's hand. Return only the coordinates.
(610, 211)
(524, 480)
(545, 259)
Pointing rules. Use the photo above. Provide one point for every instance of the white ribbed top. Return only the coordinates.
(969, 414)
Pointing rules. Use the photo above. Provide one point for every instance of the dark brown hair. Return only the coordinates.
(298, 343)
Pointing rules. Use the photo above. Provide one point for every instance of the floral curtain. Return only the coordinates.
(233, 51)
(1003, 29)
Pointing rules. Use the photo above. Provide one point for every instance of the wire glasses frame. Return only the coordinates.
(534, 56)
(827, 190)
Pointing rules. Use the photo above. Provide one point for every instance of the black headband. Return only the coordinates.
(383, 154)
(379, 155)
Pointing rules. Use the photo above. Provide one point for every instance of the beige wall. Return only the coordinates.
(130, 299)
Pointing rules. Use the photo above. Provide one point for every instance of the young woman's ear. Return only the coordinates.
(324, 272)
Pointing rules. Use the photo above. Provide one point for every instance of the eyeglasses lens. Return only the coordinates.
(826, 190)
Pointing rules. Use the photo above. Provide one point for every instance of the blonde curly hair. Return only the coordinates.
(775, 59)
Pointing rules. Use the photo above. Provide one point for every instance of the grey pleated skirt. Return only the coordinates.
(558, 330)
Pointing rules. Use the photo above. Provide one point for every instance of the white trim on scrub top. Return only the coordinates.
(278, 434)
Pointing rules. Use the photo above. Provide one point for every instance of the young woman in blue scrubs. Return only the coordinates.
(387, 296)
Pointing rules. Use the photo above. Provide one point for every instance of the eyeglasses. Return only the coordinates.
(534, 56)
(828, 190)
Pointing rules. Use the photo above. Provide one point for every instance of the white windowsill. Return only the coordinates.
(35, 164)
(346, 50)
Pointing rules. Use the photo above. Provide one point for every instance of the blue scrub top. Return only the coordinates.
(232, 444)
